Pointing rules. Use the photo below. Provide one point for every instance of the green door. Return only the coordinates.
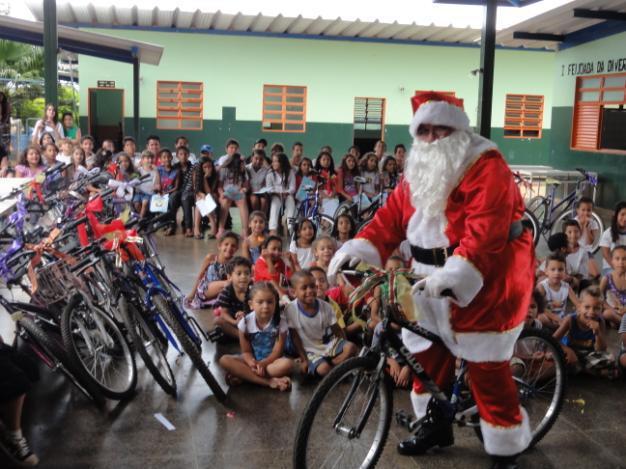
(106, 115)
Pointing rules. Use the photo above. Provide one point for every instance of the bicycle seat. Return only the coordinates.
(552, 181)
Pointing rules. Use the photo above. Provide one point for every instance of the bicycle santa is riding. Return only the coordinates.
(347, 420)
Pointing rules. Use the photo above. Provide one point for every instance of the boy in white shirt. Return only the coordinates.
(314, 330)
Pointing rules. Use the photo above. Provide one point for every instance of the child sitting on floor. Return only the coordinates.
(580, 265)
(232, 302)
(536, 307)
(270, 266)
(212, 277)
(301, 248)
(324, 249)
(584, 337)
(556, 292)
(613, 286)
(322, 286)
(262, 337)
(251, 246)
(309, 319)
(344, 229)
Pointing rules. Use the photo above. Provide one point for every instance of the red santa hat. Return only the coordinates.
(434, 108)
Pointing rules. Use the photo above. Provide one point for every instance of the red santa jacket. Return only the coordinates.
(479, 214)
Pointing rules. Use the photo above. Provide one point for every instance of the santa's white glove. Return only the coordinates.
(341, 260)
(436, 285)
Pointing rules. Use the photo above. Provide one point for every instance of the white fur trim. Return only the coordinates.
(439, 113)
(487, 346)
(363, 249)
(434, 315)
(420, 403)
(463, 278)
(506, 441)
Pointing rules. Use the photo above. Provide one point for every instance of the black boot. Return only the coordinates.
(430, 433)
(504, 462)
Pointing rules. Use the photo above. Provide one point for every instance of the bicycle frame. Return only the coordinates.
(150, 280)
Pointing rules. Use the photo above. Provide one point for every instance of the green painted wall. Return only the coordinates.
(234, 69)
(610, 167)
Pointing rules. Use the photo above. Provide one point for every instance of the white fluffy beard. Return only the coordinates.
(433, 170)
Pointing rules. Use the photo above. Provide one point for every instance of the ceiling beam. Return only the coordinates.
(599, 14)
(538, 36)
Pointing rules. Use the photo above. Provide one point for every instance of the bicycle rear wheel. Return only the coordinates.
(189, 346)
(530, 221)
(148, 345)
(94, 342)
(538, 367)
(346, 422)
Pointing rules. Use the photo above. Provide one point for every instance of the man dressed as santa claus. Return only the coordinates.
(460, 210)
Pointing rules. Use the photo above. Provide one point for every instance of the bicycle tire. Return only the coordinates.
(530, 221)
(56, 352)
(189, 346)
(383, 395)
(557, 227)
(72, 346)
(325, 225)
(364, 224)
(558, 398)
(537, 206)
(139, 330)
(346, 207)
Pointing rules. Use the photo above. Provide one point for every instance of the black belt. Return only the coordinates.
(438, 256)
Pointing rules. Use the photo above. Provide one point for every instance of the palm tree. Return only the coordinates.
(20, 61)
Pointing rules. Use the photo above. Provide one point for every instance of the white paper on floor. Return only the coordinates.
(166, 423)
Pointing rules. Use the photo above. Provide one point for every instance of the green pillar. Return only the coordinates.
(50, 48)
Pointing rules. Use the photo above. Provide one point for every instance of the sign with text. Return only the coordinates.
(590, 67)
(106, 83)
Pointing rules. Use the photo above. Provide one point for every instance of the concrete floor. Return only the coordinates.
(257, 431)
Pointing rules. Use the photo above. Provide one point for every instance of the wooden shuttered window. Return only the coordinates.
(284, 108)
(179, 105)
(523, 116)
(595, 97)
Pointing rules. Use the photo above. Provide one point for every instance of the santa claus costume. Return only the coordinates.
(460, 209)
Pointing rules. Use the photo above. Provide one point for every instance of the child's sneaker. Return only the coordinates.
(19, 450)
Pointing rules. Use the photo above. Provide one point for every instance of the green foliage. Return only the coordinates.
(19, 61)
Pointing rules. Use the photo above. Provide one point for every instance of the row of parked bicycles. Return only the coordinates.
(97, 292)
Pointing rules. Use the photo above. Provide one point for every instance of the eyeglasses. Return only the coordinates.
(439, 131)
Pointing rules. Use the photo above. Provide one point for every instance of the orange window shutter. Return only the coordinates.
(586, 126)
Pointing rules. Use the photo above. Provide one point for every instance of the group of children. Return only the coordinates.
(577, 300)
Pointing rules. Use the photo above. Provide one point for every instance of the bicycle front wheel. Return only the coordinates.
(325, 225)
(94, 342)
(148, 346)
(190, 347)
(346, 422)
(558, 226)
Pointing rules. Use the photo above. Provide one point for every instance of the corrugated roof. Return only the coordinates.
(559, 20)
(75, 40)
(97, 15)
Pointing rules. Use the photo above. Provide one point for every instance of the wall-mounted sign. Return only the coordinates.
(106, 83)
(601, 66)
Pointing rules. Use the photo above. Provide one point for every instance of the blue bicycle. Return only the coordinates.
(311, 208)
